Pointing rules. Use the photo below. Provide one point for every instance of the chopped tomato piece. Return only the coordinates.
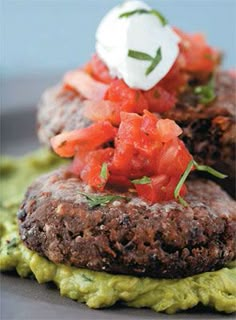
(85, 85)
(167, 130)
(173, 158)
(99, 70)
(159, 100)
(161, 188)
(119, 181)
(67, 144)
(198, 55)
(102, 110)
(91, 173)
(135, 151)
(176, 79)
(78, 162)
(130, 100)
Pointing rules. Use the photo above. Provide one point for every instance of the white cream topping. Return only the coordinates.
(145, 33)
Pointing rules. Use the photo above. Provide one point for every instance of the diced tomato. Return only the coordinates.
(176, 79)
(161, 188)
(167, 130)
(91, 172)
(128, 133)
(130, 100)
(99, 70)
(78, 162)
(67, 144)
(198, 55)
(135, 151)
(102, 110)
(85, 85)
(173, 158)
(119, 181)
(159, 100)
(149, 121)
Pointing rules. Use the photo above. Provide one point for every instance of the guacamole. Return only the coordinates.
(98, 289)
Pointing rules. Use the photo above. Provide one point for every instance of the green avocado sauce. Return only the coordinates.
(216, 289)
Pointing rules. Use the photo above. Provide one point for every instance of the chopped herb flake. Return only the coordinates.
(10, 244)
(139, 55)
(180, 184)
(94, 201)
(143, 180)
(206, 93)
(154, 12)
(104, 171)
(86, 278)
(131, 13)
(155, 62)
(210, 170)
(193, 163)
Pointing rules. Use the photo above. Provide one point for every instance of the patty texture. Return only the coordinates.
(128, 236)
(209, 131)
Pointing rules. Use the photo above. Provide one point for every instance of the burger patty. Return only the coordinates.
(209, 132)
(59, 110)
(128, 236)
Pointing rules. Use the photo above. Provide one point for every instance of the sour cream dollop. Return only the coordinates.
(116, 36)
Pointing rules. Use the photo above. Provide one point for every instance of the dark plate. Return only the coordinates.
(23, 299)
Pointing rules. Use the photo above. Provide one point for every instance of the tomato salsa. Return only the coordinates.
(129, 145)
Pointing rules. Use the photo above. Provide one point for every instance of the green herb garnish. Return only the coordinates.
(193, 163)
(104, 171)
(210, 170)
(95, 201)
(86, 278)
(143, 180)
(139, 55)
(10, 244)
(155, 62)
(180, 184)
(145, 11)
(206, 93)
(156, 13)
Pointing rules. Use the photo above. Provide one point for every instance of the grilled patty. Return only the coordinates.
(208, 131)
(128, 236)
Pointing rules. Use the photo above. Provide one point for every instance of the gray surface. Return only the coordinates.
(23, 299)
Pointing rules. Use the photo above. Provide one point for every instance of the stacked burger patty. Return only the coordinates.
(128, 236)
(209, 131)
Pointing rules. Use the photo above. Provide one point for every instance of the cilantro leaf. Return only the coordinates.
(143, 180)
(94, 201)
(155, 62)
(192, 163)
(206, 93)
(131, 13)
(139, 55)
(145, 11)
(104, 171)
(210, 170)
(156, 13)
